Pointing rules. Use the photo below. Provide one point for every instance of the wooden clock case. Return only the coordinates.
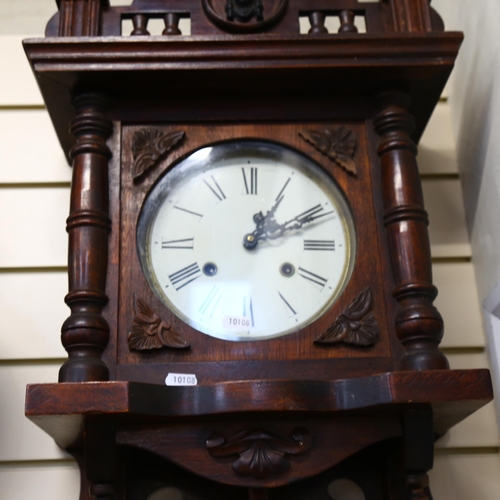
(310, 406)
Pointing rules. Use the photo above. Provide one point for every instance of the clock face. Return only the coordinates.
(246, 241)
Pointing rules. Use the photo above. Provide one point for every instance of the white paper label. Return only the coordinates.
(181, 379)
(236, 323)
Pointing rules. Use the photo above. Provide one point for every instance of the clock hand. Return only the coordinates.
(304, 218)
(268, 228)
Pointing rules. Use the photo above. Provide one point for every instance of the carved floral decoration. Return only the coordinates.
(149, 331)
(356, 325)
(338, 144)
(261, 454)
(149, 145)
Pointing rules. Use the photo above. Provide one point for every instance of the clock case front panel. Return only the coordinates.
(293, 356)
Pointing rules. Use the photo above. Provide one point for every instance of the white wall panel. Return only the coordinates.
(458, 303)
(437, 150)
(25, 16)
(49, 481)
(32, 310)
(447, 228)
(466, 477)
(17, 85)
(21, 439)
(480, 429)
(33, 227)
(29, 149)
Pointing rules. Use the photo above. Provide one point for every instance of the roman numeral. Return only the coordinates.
(325, 245)
(212, 299)
(187, 244)
(288, 306)
(188, 211)
(251, 182)
(185, 276)
(245, 309)
(216, 189)
(312, 277)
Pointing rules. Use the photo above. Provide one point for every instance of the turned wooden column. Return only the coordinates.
(85, 333)
(411, 15)
(419, 325)
(79, 17)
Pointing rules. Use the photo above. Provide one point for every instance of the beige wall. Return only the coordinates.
(34, 190)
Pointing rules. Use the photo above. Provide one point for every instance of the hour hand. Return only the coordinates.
(266, 227)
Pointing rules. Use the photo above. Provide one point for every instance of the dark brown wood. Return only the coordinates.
(419, 325)
(149, 146)
(85, 333)
(411, 15)
(337, 65)
(261, 453)
(219, 16)
(418, 451)
(347, 22)
(172, 24)
(356, 325)
(298, 346)
(258, 494)
(140, 23)
(150, 332)
(100, 460)
(79, 17)
(338, 144)
(453, 394)
(317, 20)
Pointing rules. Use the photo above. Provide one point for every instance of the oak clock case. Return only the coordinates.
(193, 211)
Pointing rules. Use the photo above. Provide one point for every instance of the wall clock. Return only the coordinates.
(249, 266)
(240, 234)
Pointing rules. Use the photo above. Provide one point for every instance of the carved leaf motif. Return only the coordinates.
(356, 325)
(150, 332)
(261, 454)
(338, 144)
(149, 145)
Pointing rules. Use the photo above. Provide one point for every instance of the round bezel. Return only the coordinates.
(274, 163)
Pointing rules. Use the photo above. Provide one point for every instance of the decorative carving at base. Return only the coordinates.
(261, 454)
(338, 144)
(356, 325)
(149, 331)
(149, 145)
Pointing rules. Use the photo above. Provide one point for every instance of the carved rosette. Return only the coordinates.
(149, 331)
(338, 144)
(261, 454)
(245, 16)
(356, 325)
(149, 145)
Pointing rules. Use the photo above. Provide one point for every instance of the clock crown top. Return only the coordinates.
(240, 17)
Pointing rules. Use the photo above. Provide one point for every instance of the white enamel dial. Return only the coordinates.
(246, 240)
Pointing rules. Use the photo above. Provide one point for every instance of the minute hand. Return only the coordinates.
(305, 217)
